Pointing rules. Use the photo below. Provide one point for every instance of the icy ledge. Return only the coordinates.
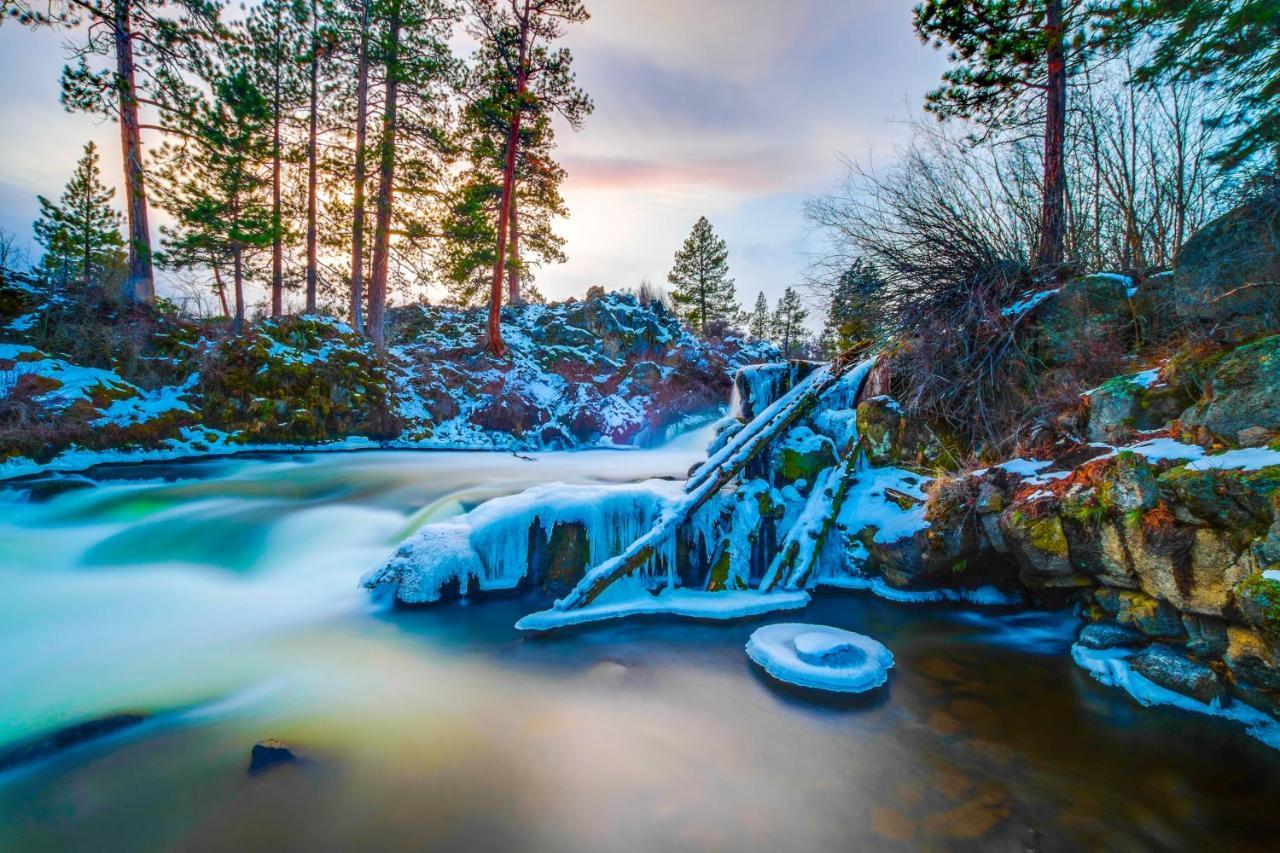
(820, 658)
(690, 604)
(1110, 667)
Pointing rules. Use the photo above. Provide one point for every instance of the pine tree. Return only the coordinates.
(852, 315)
(470, 228)
(276, 34)
(702, 291)
(759, 321)
(1011, 60)
(146, 45)
(217, 183)
(788, 322)
(81, 233)
(409, 44)
(539, 82)
(1232, 45)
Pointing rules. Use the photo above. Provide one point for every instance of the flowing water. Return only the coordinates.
(220, 598)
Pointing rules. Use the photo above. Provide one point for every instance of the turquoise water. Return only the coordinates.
(221, 597)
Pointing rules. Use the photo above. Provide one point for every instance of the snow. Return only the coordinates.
(1141, 379)
(1029, 300)
(866, 505)
(1168, 449)
(821, 658)
(1111, 668)
(730, 604)
(1244, 459)
(75, 382)
(25, 322)
(149, 404)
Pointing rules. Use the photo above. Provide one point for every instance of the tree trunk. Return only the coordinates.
(357, 212)
(513, 266)
(140, 286)
(277, 219)
(496, 345)
(1052, 217)
(221, 289)
(312, 172)
(237, 273)
(386, 177)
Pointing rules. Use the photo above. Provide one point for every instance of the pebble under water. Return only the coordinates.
(195, 610)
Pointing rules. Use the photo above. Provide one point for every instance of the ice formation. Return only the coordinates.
(489, 546)
(1111, 667)
(820, 658)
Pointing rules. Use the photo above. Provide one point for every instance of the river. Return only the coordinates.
(220, 599)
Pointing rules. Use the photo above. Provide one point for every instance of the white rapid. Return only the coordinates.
(151, 587)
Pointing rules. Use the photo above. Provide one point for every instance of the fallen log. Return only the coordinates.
(794, 563)
(705, 482)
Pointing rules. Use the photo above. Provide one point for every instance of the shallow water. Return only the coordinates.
(221, 596)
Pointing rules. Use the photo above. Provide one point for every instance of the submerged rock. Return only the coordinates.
(267, 754)
(46, 746)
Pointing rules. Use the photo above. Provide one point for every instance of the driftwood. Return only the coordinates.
(709, 479)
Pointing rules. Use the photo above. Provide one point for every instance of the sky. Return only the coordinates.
(733, 109)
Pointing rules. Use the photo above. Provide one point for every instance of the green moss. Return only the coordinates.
(718, 578)
(1259, 600)
(1047, 535)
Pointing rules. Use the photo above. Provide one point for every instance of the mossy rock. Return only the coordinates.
(1229, 499)
(1259, 602)
(802, 456)
(1242, 392)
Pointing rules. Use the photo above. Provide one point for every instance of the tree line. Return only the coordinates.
(336, 147)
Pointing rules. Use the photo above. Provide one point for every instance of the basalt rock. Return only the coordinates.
(1172, 671)
(1227, 276)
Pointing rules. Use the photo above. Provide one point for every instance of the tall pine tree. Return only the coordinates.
(129, 53)
(1011, 62)
(702, 291)
(520, 34)
(276, 37)
(81, 233)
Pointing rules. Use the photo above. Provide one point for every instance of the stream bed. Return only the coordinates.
(218, 600)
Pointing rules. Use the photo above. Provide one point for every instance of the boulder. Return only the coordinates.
(1038, 542)
(802, 456)
(1242, 393)
(1227, 275)
(893, 437)
(1109, 635)
(1127, 403)
(1170, 670)
(1153, 617)
(1229, 499)
(1086, 315)
(1249, 658)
